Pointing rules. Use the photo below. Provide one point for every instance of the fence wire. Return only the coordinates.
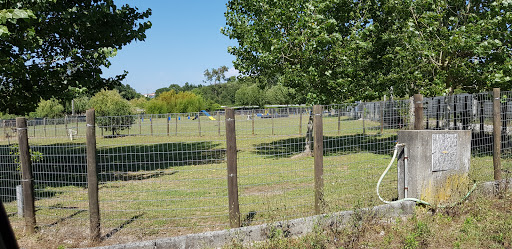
(165, 175)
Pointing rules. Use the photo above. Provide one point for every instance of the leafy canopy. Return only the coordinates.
(49, 47)
(336, 50)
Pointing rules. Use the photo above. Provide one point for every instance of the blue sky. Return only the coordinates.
(184, 41)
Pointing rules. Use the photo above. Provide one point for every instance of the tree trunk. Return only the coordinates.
(309, 139)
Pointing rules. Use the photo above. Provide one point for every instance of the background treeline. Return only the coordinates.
(124, 100)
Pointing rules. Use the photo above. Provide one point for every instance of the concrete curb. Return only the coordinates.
(291, 228)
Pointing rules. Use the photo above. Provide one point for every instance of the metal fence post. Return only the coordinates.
(26, 176)
(382, 107)
(92, 177)
(318, 153)
(496, 133)
(418, 112)
(234, 211)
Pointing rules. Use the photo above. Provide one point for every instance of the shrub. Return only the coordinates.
(49, 109)
(172, 102)
(112, 111)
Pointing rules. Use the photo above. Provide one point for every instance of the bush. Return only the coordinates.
(172, 102)
(49, 109)
(112, 111)
(249, 96)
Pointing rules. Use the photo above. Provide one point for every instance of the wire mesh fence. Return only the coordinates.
(165, 175)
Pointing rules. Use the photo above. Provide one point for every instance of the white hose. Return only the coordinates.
(385, 172)
(414, 199)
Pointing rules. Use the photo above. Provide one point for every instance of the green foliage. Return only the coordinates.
(216, 75)
(127, 92)
(336, 50)
(280, 95)
(109, 107)
(80, 104)
(223, 93)
(250, 96)
(13, 16)
(61, 45)
(139, 102)
(7, 116)
(172, 102)
(49, 109)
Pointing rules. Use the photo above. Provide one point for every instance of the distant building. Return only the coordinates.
(149, 95)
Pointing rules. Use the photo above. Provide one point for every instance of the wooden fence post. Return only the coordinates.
(176, 130)
(496, 133)
(27, 180)
(92, 177)
(231, 153)
(140, 124)
(151, 123)
(364, 117)
(418, 112)
(168, 121)
(199, 122)
(318, 153)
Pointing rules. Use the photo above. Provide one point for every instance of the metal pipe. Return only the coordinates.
(406, 159)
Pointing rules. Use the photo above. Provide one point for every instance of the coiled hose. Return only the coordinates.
(414, 199)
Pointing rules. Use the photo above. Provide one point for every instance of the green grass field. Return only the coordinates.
(174, 183)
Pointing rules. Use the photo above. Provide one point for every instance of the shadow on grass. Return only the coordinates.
(481, 145)
(117, 229)
(333, 145)
(65, 164)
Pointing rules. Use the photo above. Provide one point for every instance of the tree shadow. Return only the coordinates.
(481, 145)
(65, 164)
(333, 145)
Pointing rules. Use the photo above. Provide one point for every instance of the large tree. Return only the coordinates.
(437, 46)
(296, 43)
(49, 47)
(333, 50)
